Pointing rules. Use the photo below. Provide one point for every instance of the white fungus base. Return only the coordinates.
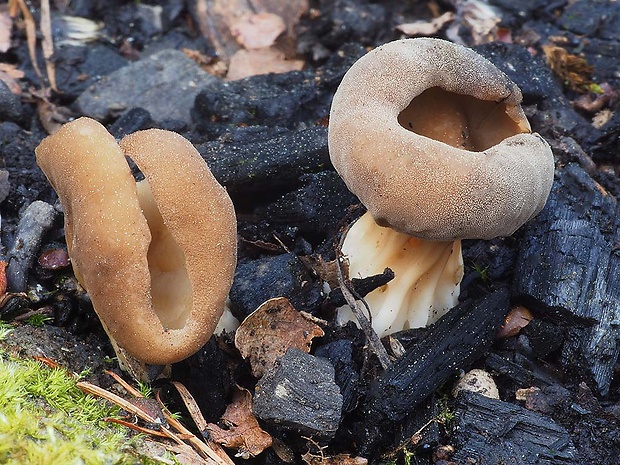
(427, 276)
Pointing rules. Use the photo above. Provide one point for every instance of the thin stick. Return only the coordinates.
(374, 342)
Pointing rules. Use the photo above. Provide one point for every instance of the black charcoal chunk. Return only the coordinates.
(253, 161)
(300, 394)
(273, 276)
(340, 355)
(569, 263)
(454, 342)
(492, 431)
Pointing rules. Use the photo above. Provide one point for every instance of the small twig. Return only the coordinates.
(374, 342)
(37, 219)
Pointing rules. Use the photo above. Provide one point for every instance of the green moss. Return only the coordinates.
(46, 419)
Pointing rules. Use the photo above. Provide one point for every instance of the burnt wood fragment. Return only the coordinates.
(492, 431)
(267, 277)
(300, 394)
(252, 161)
(569, 264)
(340, 355)
(361, 286)
(454, 342)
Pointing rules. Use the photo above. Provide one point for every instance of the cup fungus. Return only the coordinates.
(432, 139)
(157, 257)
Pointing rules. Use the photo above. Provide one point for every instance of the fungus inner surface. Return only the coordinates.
(458, 120)
(171, 288)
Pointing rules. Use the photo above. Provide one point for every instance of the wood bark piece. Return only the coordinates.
(569, 264)
(492, 431)
(454, 342)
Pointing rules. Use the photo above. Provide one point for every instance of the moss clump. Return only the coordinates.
(46, 419)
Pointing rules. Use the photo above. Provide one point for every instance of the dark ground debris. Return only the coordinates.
(153, 64)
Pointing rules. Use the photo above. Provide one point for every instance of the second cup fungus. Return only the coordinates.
(432, 139)
(157, 257)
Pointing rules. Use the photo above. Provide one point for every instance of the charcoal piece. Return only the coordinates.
(340, 355)
(300, 394)
(134, 120)
(273, 276)
(544, 338)
(454, 342)
(491, 431)
(316, 208)
(252, 161)
(362, 286)
(568, 262)
(282, 99)
(266, 99)
(37, 219)
(520, 375)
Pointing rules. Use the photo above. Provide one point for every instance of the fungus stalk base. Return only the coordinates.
(427, 276)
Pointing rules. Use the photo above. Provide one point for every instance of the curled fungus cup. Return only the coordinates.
(432, 139)
(157, 257)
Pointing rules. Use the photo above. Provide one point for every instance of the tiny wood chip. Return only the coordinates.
(242, 432)
(266, 334)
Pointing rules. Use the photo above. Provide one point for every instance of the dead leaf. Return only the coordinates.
(6, 24)
(479, 18)
(267, 333)
(426, 28)
(2, 277)
(340, 459)
(52, 116)
(10, 74)
(257, 30)
(246, 63)
(216, 20)
(242, 431)
(326, 270)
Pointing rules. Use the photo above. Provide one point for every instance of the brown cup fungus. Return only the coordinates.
(157, 257)
(432, 139)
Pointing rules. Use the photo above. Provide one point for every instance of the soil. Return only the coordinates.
(264, 136)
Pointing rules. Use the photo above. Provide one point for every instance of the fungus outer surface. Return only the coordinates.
(192, 240)
(432, 139)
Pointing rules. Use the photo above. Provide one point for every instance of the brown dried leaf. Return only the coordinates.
(243, 433)
(246, 63)
(266, 334)
(340, 459)
(426, 28)
(326, 270)
(216, 20)
(10, 74)
(257, 30)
